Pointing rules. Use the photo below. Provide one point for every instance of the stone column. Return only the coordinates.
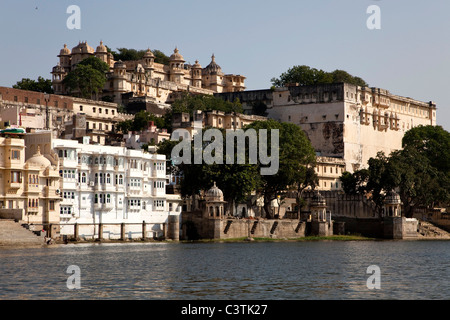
(144, 230)
(76, 231)
(122, 232)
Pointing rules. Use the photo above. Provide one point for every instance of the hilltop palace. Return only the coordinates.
(147, 79)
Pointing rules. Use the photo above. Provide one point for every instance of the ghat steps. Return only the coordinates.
(428, 230)
(14, 234)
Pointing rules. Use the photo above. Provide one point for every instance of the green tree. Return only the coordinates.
(161, 57)
(41, 85)
(305, 75)
(189, 103)
(125, 54)
(236, 181)
(88, 78)
(295, 155)
(419, 172)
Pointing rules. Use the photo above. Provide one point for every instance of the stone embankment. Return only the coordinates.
(12, 234)
(430, 231)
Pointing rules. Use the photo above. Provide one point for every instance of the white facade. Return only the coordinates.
(109, 185)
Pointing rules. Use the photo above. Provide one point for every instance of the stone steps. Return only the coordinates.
(429, 230)
(14, 234)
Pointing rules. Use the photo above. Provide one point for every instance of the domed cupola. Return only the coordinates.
(214, 204)
(176, 56)
(64, 51)
(214, 194)
(392, 205)
(213, 67)
(101, 48)
(38, 161)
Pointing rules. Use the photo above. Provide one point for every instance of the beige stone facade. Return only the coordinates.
(343, 120)
(29, 189)
(145, 77)
(68, 117)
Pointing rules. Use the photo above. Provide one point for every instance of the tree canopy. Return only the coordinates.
(188, 103)
(88, 77)
(125, 54)
(305, 75)
(296, 156)
(39, 85)
(141, 121)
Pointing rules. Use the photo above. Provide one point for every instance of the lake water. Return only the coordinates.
(229, 271)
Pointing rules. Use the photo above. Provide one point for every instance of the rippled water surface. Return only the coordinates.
(229, 271)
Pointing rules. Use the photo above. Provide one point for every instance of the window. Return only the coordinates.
(16, 177)
(93, 109)
(38, 101)
(51, 205)
(99, 110)
(15, 98)
(112, 112)
(26, 99)
(15, 154)
(81, 108)
(106, 111)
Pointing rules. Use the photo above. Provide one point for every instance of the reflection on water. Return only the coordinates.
(229, 271)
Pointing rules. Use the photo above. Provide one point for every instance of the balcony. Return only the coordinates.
(103, 206)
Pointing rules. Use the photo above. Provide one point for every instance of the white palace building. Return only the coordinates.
(108, 185)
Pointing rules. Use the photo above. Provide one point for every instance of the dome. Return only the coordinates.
(392, 197)
(213, 67)
(38, 160)
(58, 69)
(318, 200)
(214, 194)
(196, 65)
(119, 64)
(82, 47)
(176, 56)
(64, 51)
(101, 48)
(149, 54)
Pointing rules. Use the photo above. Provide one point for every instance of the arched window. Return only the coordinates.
(108, 178)
(217, 212)
(211, 211)
(83, 177)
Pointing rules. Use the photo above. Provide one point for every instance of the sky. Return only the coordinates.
(409, 55)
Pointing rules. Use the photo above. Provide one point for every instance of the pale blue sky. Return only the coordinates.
(409, 56)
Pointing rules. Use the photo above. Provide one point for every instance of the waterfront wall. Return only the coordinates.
(195, 227)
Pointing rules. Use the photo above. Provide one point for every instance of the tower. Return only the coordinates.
(212, 76)
(196, 74)
(176, 63)
(149, 60)
(214, 204)
(102, 52)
